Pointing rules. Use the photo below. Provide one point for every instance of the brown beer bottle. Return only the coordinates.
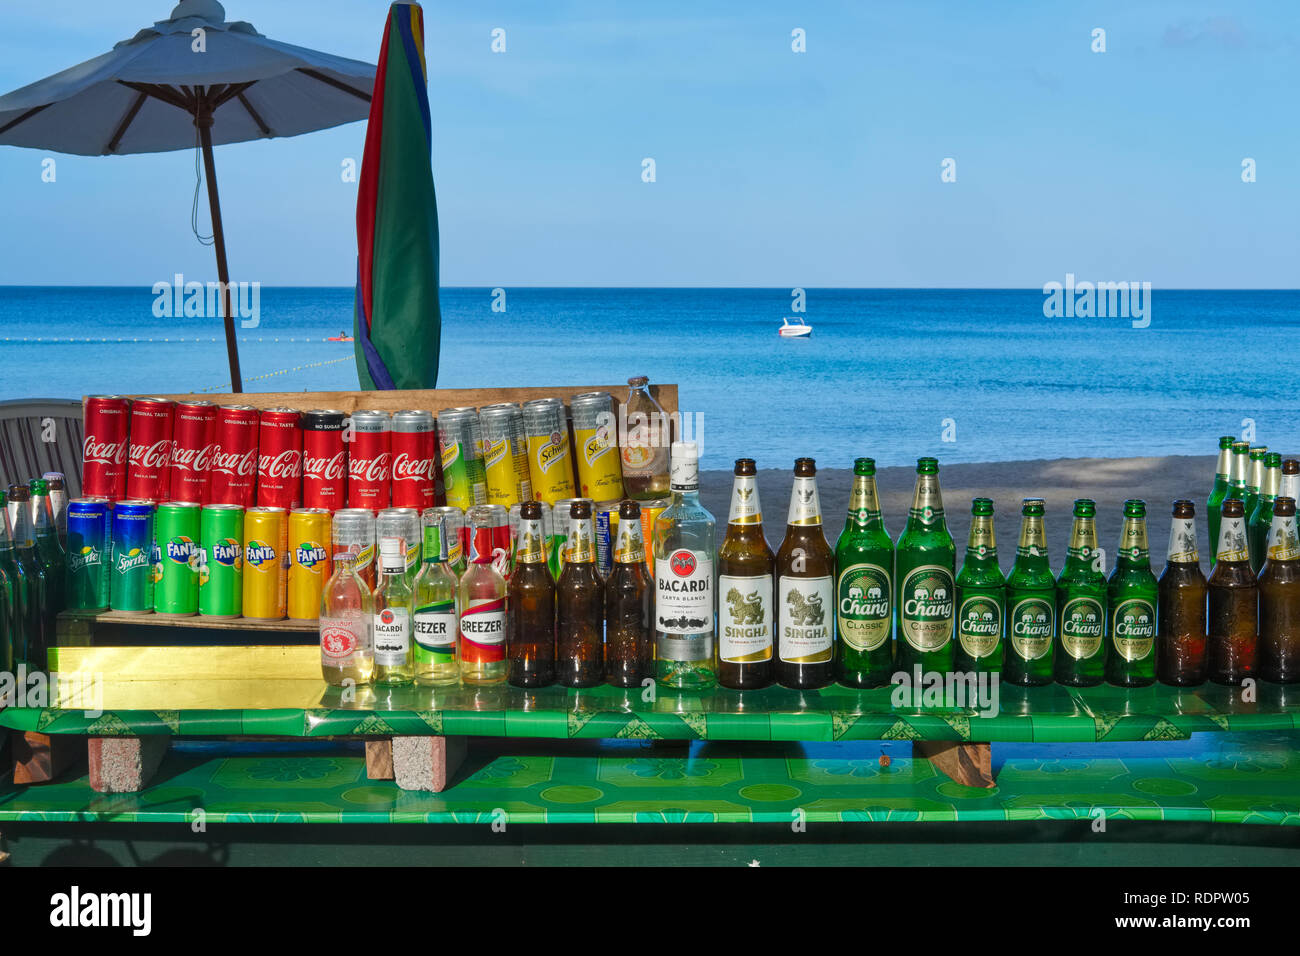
(1234, 594)
(580, 606)
(1279, 599)
(745, 568)
(1180, 607)
(805, 590)
(530, 626)
(629, 634)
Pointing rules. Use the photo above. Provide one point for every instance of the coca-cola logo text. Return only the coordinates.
(235, 464)
(287, 464)
(408, 468)
(153, 456)
(103, 452)
(192, 459)
(327, 469)
(369, 469)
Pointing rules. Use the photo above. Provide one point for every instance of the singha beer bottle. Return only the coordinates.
(925, 563)
(1234, 594)
(1031, 604)
(805, 590)
(684, 550)
(1180, 609)
(1131, 605)
(746, 566)
(580, 606)
(530, 629)
(864, 587)
(1081, 604)
(1289, 482)
(1222, 472)
(1279, 599)
(981, 597)
(1261, 516)
(629, 635)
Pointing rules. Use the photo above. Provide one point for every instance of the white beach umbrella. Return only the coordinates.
(191, 80)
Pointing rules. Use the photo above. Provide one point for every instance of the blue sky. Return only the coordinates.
(773, 168)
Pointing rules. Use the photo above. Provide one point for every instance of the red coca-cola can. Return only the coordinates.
(232, 473)
(414, 449)
(324, 460)
(369, 460)
(279, 459)
(104, 452)
(151, 449)
(194, 428)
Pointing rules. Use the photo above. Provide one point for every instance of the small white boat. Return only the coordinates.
(797, 329)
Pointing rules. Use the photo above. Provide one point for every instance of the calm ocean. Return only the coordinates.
(889, 373)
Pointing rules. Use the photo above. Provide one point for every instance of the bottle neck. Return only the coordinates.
(581, 546)
(805, 507)
(1182, 542)
(629, 547)
(926, 512)
(1223, 467)
(981, 543)
(1133, 551)
(864, 504)
(1031, 550)
(1283, 544)
(1231, 545)
(434, 550)
(392, 561)
(745, 508)
(1083, 544)
(1270, 483)
(1240, 468)
(530, 546)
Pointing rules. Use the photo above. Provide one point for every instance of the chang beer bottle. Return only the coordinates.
(1254, 477)
(1222, 473)
(1238, 473)
(925, 564)
(1261, 518)
(981, 596)
(1131, 605)
(1081, 604)
(1031, 604)
(864, 587)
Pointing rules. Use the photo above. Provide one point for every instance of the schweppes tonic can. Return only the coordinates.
(176, 575)
(266, 564)
(309, 561)
(595, 435)
(549, 465)
(505, 450)
(221, 561)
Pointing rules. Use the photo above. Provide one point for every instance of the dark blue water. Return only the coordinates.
(882, 374)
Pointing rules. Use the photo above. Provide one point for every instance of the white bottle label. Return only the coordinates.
(1232, 541)
(805, 507)
(684, 592)
(745, 618)
(1182, 541)
(435, 629)
(392, 630)
(344, 640)
(745, 508)
(806, 615)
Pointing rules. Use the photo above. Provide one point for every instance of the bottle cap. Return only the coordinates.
(1135, 508)
(1184, 508)
(1085, 508)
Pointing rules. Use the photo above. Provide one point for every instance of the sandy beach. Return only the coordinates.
(1109, 481)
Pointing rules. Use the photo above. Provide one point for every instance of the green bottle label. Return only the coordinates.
(1083, 623)
(1133, 628)
(979, 625)
(865, 607)
(1031, 628)
(927, 612)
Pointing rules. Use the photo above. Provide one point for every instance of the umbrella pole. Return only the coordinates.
(204, 123)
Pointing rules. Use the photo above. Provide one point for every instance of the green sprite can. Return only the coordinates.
(176, 575)
(221, 561)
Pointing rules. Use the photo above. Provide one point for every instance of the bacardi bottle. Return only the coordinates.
(685, 586)
(392, 621)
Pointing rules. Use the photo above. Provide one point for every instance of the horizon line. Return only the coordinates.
(675, 288)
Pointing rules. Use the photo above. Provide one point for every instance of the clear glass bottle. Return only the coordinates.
(483, 605)
(346, 611)
(685, 551)
(434, 631)
(392, 615)
(646, 434)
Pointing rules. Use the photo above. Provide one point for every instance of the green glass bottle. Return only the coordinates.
(1081, 604)
(1254, 477)
(1261, 517)
(1131, 605)
(50, 551)
(981, 597)
(1031, 604)
(1239, 472)
(925, 564)
(13, 644)
(864, 587)
(1222, 472)
(36, 595)
(433, 627)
